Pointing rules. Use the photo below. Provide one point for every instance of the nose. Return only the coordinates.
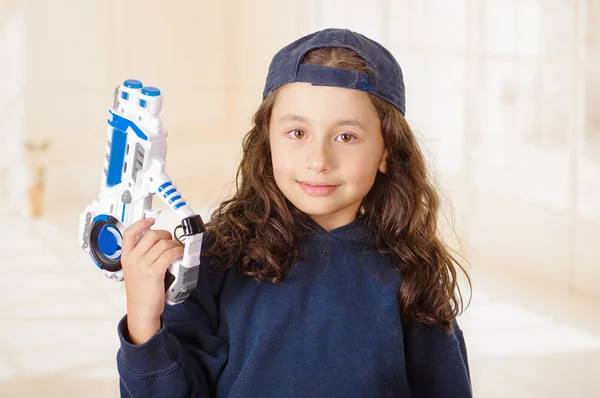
(319, 158)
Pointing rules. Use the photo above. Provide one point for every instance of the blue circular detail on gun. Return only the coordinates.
(151, 91)
(132, 83)
(105, 243)
(109, 241)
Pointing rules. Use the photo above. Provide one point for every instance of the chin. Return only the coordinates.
(315, 209)
(308, 205)
(319, 207)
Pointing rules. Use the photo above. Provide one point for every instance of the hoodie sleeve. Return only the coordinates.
(185, 357)
(436, 362)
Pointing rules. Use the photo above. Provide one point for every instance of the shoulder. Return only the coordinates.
(212, 273)
(427, 345)
(436, 362)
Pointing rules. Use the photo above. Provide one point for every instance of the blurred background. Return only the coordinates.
(503, 95)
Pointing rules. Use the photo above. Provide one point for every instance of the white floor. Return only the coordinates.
(58, 318)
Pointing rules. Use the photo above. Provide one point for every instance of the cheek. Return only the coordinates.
(361, 172)
(282, 163)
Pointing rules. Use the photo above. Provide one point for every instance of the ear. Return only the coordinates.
(383, 163)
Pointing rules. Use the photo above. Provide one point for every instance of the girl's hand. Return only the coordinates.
(145, 263)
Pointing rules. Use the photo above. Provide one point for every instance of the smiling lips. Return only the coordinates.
(317, 189)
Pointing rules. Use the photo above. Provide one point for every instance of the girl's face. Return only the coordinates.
(326, 147)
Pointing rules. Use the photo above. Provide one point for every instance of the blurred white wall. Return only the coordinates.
(12, 103)
(64, 58)
(502, 93)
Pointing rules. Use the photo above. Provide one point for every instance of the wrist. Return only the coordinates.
(140, 331)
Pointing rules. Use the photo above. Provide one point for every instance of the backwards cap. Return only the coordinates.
(385, 80)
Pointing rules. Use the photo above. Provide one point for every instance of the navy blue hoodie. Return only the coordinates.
(332, 328)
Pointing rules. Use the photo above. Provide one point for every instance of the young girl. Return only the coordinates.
(323, 275)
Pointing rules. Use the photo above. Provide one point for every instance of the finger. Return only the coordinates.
(133, 231)
(149, 239)
(158, 249)
(163, 262)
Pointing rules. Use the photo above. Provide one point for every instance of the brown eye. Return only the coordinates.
(346, 138)
(297, 134)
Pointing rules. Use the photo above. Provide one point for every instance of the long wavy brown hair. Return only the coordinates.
(261, 231)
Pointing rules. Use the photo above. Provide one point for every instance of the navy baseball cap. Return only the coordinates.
(384, 79)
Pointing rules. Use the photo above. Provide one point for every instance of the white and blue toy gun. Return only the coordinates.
(134, 170)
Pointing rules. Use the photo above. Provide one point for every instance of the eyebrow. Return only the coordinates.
(341, 122)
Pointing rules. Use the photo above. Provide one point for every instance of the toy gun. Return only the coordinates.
(134, 171)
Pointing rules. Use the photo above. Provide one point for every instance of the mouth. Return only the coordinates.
(317, 188)
(316, 184)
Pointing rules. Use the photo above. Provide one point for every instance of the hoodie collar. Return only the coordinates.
(356, 231)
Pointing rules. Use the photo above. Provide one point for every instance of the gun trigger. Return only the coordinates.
(151, 214)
